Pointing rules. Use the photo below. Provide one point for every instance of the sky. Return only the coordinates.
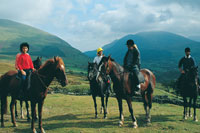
(89, 24)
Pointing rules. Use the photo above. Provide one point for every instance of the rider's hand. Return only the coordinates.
(183, 71)
(23, 72)
(34, 69)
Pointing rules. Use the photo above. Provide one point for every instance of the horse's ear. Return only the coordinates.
(109, 57)
(38, 58)
(55, 58)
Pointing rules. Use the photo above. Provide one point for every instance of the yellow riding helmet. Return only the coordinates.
(99, 49)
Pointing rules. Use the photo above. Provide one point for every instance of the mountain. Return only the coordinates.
(160, 51)
(195, 38)
(41, 43)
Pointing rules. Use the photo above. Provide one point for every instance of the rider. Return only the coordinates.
(99, 56)
(97, 60)
(132, 63)
(185, 64)
(25, 67)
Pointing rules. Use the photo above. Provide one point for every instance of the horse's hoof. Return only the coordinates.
(135, 124)
(184, 117)
(148, 120)
(42, 130)
(195, 119)
(2, 125)
(34, 131)
(28, 120)
(15, 125)
(105, 117)
(22, 117)
(96, 116)
(120, 123)
(16, 116)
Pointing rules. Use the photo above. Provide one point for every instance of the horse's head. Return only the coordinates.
(92, 70)
(37, 63)
(105, 66)
(60, 71)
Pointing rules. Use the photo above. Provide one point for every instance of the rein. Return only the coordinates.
(43, 84)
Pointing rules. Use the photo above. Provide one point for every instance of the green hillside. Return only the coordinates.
(160, 51)
(41, 43)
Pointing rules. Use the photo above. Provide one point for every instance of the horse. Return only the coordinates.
(122, 86)
(189, 88)
(98, 88)
(37, 63)
(40, 80)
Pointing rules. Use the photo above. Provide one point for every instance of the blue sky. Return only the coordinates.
(89, 24)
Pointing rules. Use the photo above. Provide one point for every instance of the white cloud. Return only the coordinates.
(88, 24)
(26, 10)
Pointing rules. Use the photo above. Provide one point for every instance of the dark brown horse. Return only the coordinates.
(98, 88)
(122, 86)
(40, 81)
(37, 64)
(189, 88)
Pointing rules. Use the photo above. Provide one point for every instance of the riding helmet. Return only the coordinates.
(130, 42)
(187, 49)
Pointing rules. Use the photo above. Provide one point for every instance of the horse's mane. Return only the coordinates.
(52, 61)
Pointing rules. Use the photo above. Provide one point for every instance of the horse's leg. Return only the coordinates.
(129, 102)
(190, 105)
(121, 117)
(21, 109)
(194, 107)
(103, 105)
(101, 110)
(40, 105)
(33, 109)
(12, 103)
(107, 96)
(95, 105)
(145, 104)
(185, 108)
(16, 114)
(3, 109)
(150, 97)
(27, 110)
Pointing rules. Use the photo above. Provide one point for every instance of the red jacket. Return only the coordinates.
(24, 62)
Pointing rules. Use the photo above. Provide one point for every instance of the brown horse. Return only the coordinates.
(122, 86)
(40, 80)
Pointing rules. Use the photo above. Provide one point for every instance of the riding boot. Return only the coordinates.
(21, 90)
(28, 81)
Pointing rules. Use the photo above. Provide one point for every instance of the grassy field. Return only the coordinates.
(66, 113)
(75, 114)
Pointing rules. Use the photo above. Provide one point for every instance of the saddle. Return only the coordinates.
(141, 78)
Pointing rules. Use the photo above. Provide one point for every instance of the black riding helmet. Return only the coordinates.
(24, 44)
(187, 49)
(130, 42)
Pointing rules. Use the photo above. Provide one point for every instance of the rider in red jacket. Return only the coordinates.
(25, 67)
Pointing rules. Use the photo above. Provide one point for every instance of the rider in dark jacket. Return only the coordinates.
(185, 64)
(132, 62)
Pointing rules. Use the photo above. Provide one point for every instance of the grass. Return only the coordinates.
(66, 113)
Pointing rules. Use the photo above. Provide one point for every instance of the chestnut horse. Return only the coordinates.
(122, 86)
(40, 80)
